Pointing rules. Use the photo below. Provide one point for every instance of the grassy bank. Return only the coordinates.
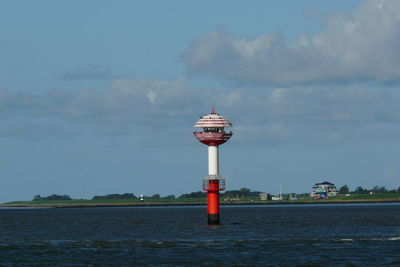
(362, 198)
(107, 201)
(368, 196)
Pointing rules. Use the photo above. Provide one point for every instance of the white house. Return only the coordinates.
(324, 190)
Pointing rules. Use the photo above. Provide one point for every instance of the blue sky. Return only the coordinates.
(99, 97)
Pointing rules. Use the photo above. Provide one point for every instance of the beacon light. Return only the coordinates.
(213, 135)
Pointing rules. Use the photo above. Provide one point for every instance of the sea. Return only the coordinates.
(262, 235)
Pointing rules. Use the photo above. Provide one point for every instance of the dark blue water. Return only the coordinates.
(320, 235)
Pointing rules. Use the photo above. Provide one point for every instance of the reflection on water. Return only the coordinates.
(250, 235)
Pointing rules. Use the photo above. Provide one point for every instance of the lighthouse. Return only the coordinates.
(213, 135)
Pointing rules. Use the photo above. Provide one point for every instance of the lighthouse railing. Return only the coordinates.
(207, 179)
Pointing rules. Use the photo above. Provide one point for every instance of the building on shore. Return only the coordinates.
(280, 197)
(277, 198)
(265, 196)
(323, 190)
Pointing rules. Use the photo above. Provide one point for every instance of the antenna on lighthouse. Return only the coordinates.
(212, 110)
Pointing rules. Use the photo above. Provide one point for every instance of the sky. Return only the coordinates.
(100, 97)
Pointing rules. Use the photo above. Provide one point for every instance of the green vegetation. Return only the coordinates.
(243, 195)
(52, 197)
(369, 196)
(375, 190)
(115, 196)
(108, 201)
(344, 190)
(198, 194)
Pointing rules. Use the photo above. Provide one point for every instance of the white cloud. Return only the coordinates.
(358, 46)
(152, 96)
(150, 108)
(128, 105)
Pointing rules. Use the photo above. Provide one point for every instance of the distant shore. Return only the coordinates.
(194, 203)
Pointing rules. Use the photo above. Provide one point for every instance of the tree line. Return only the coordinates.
(360, 190)
(243, 192)
(116, 196)
(52, 197)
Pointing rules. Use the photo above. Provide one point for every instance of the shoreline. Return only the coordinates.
(161, 204)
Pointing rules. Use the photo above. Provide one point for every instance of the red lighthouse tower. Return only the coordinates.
(213, 135)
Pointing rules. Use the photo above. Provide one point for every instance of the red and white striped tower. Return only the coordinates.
(213, 135)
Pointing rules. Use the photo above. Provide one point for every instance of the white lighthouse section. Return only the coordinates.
(213, 135)
(213, 164)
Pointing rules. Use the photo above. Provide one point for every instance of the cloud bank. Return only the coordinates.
(126, 106)
(358, 46)
(314, 115)
(322, 89)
